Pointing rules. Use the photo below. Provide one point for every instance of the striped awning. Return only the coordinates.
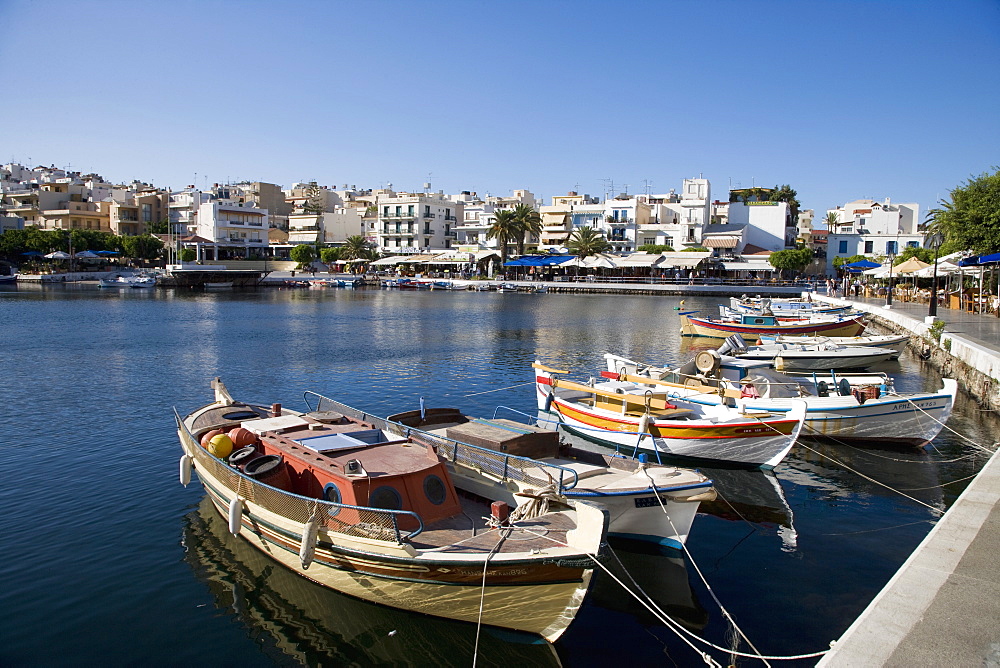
(726, 241)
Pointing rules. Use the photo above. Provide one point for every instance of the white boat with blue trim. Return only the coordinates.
(862, 408)
(513, 461)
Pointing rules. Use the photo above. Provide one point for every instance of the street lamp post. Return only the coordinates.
(934, 241)
(888, 294)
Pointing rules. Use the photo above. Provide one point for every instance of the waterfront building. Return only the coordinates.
(136, 211)
(479, 214)
(237, 231)
(873, 229)
(769, 225)
(409, 223)
(676, 220)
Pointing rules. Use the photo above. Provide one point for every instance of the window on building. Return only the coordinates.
(869, 247)
(842, 248)
(409, 210)
(147, 213)
(399, 210)
(385, 211)
(890, 248)
(912, 244)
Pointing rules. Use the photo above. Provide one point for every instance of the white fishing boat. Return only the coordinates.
(340, 499)
(515, 460)
(895, 342)
(861, 408)
(623, 413)
(784, 307)
(806, 357)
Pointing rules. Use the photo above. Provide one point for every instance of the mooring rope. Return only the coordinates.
(482, 594)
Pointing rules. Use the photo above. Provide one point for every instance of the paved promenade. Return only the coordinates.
(942, 608)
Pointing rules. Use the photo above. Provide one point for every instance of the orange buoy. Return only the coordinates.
(209, 436)
(242, 437)
(220, 445)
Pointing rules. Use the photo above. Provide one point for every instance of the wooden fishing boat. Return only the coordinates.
(813, 356)
(512, 460)
(343, 501)
(621, 413)
(751, 325)
(859, 409)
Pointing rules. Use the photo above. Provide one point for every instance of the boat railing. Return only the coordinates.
(557, 422)
(393, 526)
(498, 464)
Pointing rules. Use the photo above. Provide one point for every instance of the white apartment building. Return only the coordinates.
(677, 220)
(410, 223)
(874, 229)
(237, 231)
(478, 215)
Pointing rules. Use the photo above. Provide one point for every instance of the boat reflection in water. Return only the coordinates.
(317, 626)
(755, 497)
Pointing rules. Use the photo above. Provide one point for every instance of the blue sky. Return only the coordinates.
(841, 100)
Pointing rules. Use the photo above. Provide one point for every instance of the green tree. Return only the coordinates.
(922, 254)
(329, 255)
(695, 249)
(838, 261)
(188, 255)
(142, 246)
(971, 219)
(314, 199)
(159, 226)
(529, 221)
(655, 248)
(504, 229)
(586, 241)
(830, 220)
(786, 194)
(303, 254)
(790, 260)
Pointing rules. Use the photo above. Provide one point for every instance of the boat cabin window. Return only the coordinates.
(331, 494)
(385, 497)
(435, 490)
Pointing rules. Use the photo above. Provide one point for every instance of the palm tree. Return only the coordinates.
(356, 247)
(940, 220)
(586, 241)
(504, 229)
(831, 220)
(529, 221)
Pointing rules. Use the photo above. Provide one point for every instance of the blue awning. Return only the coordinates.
(539, 260)
(977, 260)
(861, 264)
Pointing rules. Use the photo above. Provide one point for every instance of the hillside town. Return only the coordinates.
(735, 234)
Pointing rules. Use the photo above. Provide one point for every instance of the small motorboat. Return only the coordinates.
(219, 285)
(856, 408)
(806, 357)
(520, 459)
(624, 414)
(342, 500)
(895, 342)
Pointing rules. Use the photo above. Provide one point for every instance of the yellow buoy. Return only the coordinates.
(220, 445)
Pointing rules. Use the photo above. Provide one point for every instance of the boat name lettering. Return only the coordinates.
(922, 406)
(476, 571)
(649, 501)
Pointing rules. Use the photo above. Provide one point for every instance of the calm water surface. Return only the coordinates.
(107, 559)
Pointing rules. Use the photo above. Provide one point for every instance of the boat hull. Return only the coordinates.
(693, 326)
(750, 442)
(915, 420)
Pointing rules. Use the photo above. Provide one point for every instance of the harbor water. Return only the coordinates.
(107, 559)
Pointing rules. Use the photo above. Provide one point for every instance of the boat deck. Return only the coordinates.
(470, 533)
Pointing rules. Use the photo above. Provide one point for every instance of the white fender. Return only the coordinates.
(186, 466)
(643, 424)
(307, 548)
(235, 515)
